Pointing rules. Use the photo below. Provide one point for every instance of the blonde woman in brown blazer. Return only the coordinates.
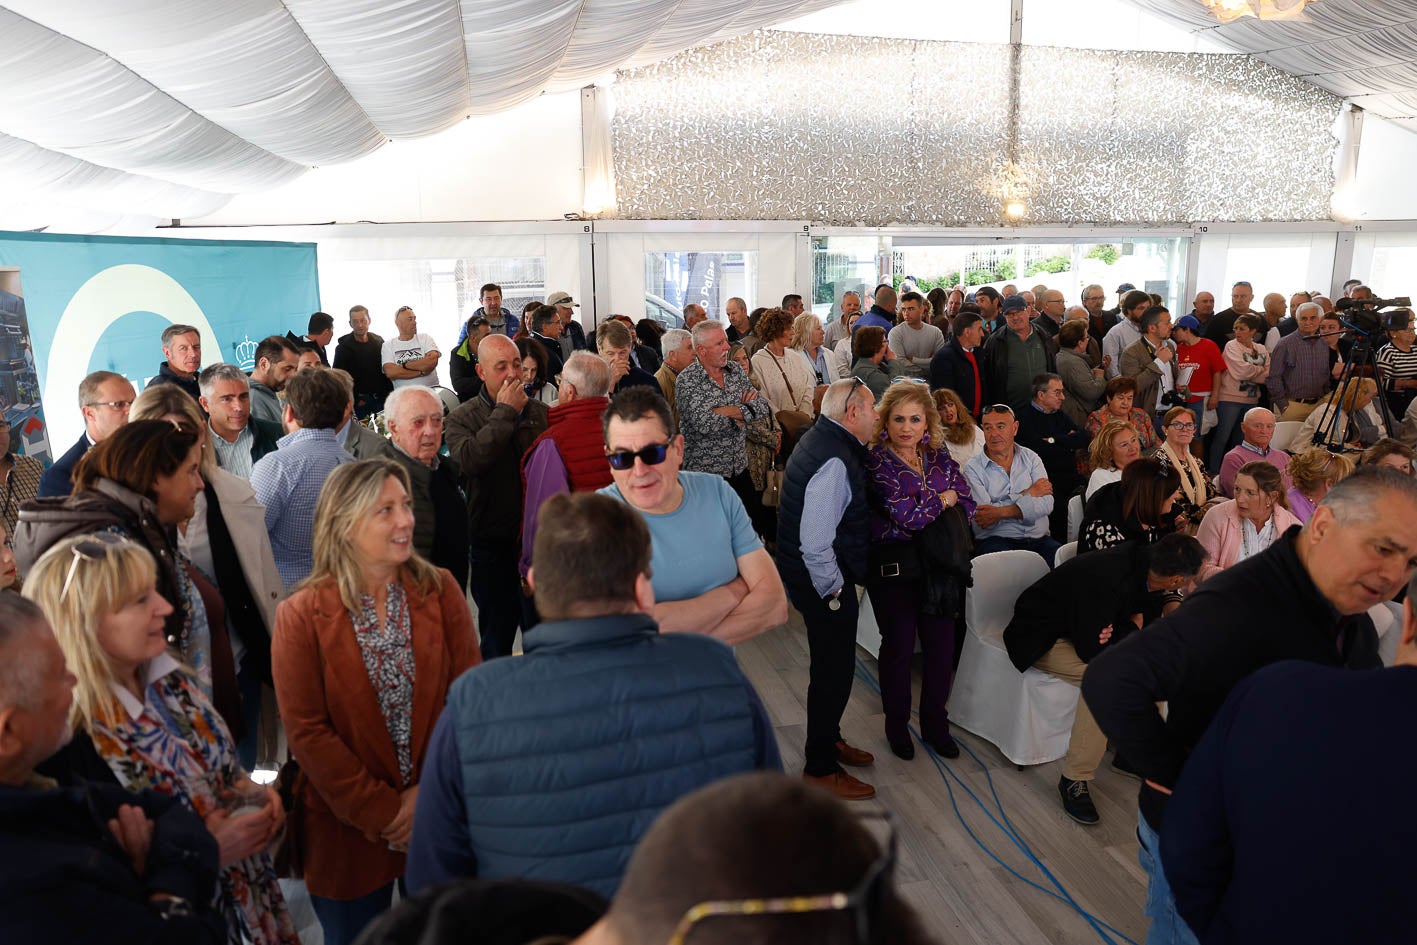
(364, 652)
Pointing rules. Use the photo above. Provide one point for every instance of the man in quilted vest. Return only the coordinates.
(570, 455)
(553, 765)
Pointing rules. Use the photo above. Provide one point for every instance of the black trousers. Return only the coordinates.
(764, 518)
(496, 588)
(831, 641)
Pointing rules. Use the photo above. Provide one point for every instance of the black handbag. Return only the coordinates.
(893, 562)
(945, 548)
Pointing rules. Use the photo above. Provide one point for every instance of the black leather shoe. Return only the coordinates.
(904, 750)
(945, 748)
(1077, 802)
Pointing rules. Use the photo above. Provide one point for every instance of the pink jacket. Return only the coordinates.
(1220, 534)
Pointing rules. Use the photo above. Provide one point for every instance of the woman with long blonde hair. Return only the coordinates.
(150, 721)
(808, 337)
(364, 652)
(911, 481)
(963, 438)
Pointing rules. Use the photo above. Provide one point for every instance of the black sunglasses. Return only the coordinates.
(652, 455)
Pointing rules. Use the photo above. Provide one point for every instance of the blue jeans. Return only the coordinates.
(1167, 927)
(248, 683)
(1045, 546)
(343, 919)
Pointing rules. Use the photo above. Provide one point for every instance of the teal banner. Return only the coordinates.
(70, 305)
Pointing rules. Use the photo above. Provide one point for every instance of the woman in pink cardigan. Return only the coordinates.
(1249, 523)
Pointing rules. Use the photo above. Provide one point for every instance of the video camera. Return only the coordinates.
(1364, 317)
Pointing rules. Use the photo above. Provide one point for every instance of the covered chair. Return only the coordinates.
(1028, 715)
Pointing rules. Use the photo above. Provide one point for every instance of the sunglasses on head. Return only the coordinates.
(93, 548)
(651, 455)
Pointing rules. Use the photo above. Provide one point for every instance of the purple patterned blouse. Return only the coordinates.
(899, 504)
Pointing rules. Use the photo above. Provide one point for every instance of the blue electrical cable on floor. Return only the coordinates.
(1099, 926)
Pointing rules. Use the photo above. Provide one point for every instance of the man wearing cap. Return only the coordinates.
(1015, 355)
(572, 334)
(1122, 291)
(988, 299)
(1191, 348)
(1221, 328)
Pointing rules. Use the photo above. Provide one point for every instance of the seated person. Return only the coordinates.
(1114, 446)
(1044, 428)
(1257, 430)
(93, 864)
(1011, 489)
(1198, 490)
(1249, 523)
(711, 572)
(1389, 452)
(1141, 506)
(872, 359)
(1347, 418)
(754, 837)
(1314, 471)
(1067, 617)
(547, 743)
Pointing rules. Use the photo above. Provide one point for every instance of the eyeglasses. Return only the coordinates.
(651, 455)
(1245, 284)
(93, 548)
(1183, 427)
(997, 408)
(909, 380)
(864, 899)
(115, 404)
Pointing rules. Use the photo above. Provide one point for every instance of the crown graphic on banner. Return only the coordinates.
(245, 352)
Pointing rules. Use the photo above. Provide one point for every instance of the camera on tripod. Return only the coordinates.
(1364, 317)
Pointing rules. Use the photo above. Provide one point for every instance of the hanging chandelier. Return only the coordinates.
(1227, 11)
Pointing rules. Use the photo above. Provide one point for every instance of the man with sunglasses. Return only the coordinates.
(711, 574)
(822, 543)
(104, 400)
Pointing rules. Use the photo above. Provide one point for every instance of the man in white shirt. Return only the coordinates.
(1126, 332)
(914, 339)
(412, 357)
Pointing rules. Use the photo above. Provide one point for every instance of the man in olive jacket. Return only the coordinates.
(486, 438)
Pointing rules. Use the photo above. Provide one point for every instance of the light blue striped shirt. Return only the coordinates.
(824, 503)
(288, 483)
(991, 484)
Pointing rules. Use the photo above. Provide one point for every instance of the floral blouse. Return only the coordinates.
(387, 647)
(900, 502)
(1138, 419)
(176, 743)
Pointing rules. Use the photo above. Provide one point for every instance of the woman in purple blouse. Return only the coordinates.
(911, 480)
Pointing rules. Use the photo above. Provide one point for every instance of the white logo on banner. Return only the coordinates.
(99, 302)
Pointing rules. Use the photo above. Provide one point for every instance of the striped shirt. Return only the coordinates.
(288, 483)
(1298, 369)
(1395, 364)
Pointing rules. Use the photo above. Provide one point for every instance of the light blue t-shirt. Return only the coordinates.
(697, 546)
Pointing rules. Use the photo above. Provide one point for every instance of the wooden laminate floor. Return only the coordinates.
(965, 897)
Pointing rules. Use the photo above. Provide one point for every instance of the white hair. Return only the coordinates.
(394, 403)
(1314, 307)
(207, 380)
(674, 339)
(703, 329)
(837, 400)
(589, 374)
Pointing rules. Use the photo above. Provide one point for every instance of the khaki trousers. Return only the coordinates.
(1298, 411)
(1087, 744)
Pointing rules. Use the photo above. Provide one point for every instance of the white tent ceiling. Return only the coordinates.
(1361, 50)
(166, 108)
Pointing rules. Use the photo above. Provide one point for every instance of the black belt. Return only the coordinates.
(1305, 400)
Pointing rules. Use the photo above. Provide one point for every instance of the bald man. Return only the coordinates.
(486, 438)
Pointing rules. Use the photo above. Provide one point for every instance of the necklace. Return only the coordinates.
(915, 461)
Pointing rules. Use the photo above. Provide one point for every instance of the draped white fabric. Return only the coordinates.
(1357, 49)
(165, 108)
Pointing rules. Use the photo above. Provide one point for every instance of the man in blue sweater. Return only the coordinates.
(552, 766)
(1255, 847)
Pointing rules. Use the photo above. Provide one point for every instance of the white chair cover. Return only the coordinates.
(1065, 553)
(1028, 715)
(1074, 517)
(1284, 433)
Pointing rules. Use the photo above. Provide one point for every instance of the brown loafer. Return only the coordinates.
(843, 786)
(853, 757)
